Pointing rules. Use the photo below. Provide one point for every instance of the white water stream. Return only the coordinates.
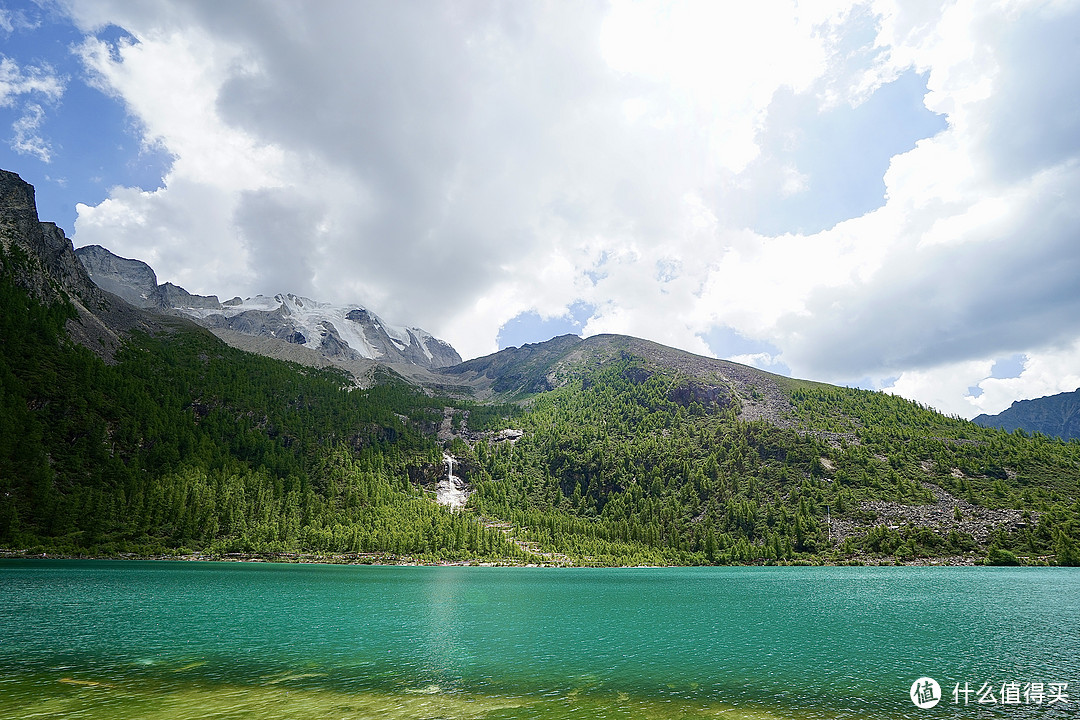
(451, 489)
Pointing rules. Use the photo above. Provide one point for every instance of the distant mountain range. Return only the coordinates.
(291, 327)
(1057, 415)
(343, 334)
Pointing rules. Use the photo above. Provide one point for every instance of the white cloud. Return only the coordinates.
(1047, 371)
(944, 387)
(170, 81)
(26, 87)
(977, 257)
(713, 64)
(456, 165)
(16, 81)
(27, 140)
(948, 387)
(762, 361)
(794, 181)
(189, 230)
(198, 249)
(12, 20)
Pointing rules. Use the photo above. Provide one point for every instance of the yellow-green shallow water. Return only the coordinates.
(276, 703)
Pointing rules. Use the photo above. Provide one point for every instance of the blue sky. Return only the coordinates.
(82, 141)
(878, 193)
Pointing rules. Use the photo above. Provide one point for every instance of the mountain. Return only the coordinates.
(40, 259)
(1054, 415)
(130, 430)
(516, 373)
(136, 282)
(624, 448)
(343, 334)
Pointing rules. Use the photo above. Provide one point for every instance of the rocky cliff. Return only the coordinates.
(49, 270)
(41, 259)
(136, 282)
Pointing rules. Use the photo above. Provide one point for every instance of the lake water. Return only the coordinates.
(116, 640)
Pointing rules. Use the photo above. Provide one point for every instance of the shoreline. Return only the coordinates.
(381, 559)
(390, 560)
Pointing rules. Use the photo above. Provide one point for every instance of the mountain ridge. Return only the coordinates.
(1055, 415)
(518, 372)
(52, 273)
(348, 335)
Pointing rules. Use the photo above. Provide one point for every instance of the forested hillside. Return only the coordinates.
(185, 443)
(126, 432)
(614, 468)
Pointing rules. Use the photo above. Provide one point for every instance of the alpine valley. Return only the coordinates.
(137, 419)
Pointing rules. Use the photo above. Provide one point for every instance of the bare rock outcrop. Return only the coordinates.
(941, 516)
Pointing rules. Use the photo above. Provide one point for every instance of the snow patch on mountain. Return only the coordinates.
(317, 324)
(314, 320)
(338, 332)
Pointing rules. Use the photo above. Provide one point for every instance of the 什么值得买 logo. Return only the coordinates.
(925, 692)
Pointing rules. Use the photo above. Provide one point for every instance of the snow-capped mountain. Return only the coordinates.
(337, 332)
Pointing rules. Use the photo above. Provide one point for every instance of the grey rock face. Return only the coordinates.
(177, 297)
(50, 269)
(132, 280)
(407, 345)
(331, 345)
(259, 323)
(136, 282)
(41, 259)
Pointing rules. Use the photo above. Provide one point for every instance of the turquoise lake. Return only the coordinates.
(104, 639)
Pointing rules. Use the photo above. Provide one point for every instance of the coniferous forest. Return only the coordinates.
(184, 445)
(187, 444)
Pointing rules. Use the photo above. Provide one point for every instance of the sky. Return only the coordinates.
(879, 194)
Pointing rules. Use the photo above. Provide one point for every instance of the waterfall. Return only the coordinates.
(451, 491)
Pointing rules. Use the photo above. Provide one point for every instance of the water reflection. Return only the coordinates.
(445, 653)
